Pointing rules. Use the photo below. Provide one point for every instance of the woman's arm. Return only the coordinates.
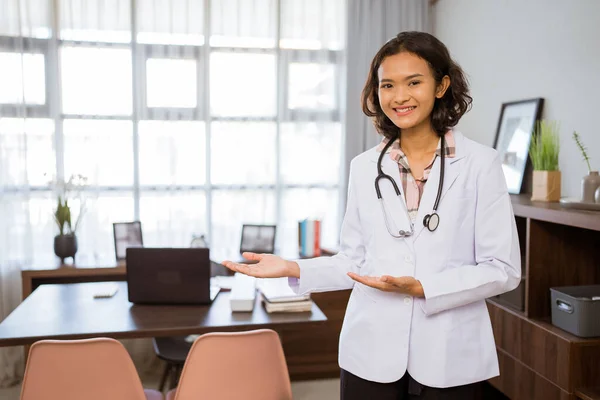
(497, 253)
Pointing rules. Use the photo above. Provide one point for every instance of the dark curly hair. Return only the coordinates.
(448, 110)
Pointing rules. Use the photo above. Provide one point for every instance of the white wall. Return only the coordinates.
(520, 49)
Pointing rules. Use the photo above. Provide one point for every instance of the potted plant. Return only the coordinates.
(65, 243)
(591, 182)
(544, 157)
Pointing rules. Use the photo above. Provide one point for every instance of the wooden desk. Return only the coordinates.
(33, 277)
(69, 311)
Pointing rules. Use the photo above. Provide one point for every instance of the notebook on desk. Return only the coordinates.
(169, 276)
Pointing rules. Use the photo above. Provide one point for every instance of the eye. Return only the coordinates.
(414, 83)
(386, 86)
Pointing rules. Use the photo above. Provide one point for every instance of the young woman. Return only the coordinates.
(428, 235)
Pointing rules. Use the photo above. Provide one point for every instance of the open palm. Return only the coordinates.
(268, 266)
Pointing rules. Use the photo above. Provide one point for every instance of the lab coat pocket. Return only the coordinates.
(465, 315)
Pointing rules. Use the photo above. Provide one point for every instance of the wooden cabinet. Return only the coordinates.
(537, 360)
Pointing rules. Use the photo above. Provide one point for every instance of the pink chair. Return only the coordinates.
(90, 369)
(245, 365)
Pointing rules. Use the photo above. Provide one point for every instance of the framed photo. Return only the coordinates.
(513, 137)
(258, 238)
(127, 234)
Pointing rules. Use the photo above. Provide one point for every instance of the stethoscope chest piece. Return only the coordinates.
(431, 221)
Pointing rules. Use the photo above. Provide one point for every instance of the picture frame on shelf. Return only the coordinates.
(513, 137)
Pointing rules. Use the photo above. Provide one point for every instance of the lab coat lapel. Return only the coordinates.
(451, 172)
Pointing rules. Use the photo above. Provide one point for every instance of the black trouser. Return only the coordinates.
(354, 388)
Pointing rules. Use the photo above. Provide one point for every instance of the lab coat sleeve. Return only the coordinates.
(497, 253)
(330, 273)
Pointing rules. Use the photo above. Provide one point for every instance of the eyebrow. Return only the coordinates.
(406, 79)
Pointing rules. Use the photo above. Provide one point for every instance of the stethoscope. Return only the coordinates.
(430, 221)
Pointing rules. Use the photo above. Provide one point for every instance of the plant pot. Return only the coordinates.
(589, 184)
(546, 186)
(65, 246)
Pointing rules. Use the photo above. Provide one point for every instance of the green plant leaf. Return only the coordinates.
(545, 146)
(583, 150)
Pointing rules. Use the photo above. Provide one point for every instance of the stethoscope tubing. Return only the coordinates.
(431, 221)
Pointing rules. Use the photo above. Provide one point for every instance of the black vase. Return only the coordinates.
(65, 246)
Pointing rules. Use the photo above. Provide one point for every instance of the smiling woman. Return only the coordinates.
(406, 332)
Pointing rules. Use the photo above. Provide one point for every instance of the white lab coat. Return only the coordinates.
(444, 339)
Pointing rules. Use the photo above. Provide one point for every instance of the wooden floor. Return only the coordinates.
(324, 389)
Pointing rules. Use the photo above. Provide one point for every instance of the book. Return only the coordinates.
(277, 290)
(309, 238)
(294, 306)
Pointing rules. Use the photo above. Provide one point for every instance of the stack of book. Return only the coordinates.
(309, 238)
(277, 296)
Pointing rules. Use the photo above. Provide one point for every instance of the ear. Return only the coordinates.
(442, 87)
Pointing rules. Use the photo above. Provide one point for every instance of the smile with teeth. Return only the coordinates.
(404, 109)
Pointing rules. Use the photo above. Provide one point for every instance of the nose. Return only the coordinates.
(401, 95)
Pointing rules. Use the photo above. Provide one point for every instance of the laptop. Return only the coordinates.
(169, 276)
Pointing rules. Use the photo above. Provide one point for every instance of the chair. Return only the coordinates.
(258, 238)
(126, 234)
(240, 365)
(91, 369)
(174, 349)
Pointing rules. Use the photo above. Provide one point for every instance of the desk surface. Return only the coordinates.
(69, 311)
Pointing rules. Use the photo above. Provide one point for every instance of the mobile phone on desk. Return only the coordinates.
(106, 291)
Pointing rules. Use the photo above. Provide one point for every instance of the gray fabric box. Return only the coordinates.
(576, 309)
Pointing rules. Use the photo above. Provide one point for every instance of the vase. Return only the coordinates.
(598, 195)
(546, 186)
(589, 184)
(65, 246)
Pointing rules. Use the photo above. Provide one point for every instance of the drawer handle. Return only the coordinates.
(564, 306)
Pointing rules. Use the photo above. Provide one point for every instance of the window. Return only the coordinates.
(193, 116)
(96, 81)
(22, 79)
(242, 85)
(171, 83)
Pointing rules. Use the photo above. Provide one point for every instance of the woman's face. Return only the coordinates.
(407, 90)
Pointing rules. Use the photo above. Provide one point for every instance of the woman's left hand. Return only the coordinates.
(401, 284)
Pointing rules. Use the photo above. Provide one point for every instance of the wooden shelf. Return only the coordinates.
(539, 361)
(555, 213)
(588, 393)
(546, 325)
(507, 308)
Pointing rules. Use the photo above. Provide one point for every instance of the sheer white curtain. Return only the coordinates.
(192, 116)
(371, 23)
(26, 152)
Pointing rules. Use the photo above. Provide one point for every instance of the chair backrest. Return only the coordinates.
(241, 365)
(91, 369)
(258, 238)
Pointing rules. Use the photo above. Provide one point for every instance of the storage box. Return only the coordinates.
(576, 309)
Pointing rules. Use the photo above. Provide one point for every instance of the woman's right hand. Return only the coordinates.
(268, 266)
